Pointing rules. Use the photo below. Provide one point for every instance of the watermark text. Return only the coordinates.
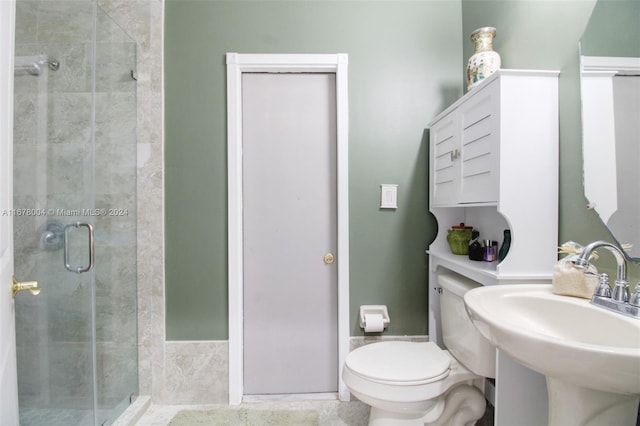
(36, 212)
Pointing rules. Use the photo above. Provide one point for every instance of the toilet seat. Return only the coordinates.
(400, 363)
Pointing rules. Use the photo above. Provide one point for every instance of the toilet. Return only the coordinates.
(418, 383)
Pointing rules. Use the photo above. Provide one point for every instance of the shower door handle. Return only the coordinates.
(79, 269)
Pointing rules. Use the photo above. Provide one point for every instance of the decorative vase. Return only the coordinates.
(485, 61)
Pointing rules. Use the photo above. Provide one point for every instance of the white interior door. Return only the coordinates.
(8, 374)
(290, 233)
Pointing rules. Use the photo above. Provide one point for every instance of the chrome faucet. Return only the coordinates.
(618, 299)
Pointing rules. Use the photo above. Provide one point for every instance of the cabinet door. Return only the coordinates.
(479, 161)
(445, 165)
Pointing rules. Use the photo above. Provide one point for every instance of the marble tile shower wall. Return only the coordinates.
(57, 165)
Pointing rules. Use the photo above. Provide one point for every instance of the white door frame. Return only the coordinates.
(236, 65)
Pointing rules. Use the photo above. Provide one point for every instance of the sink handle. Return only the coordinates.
(603, 289)
(620, 291)
(635, 297)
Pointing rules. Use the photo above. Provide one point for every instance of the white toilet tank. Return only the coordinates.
(459, 334)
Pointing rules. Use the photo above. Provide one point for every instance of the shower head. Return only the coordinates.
(34, 67)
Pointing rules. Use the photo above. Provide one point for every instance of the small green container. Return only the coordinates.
(458, 238)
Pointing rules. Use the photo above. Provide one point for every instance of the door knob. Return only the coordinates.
(329, 258)
(17, 286)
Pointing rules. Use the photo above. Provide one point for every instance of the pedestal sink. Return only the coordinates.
(590, 356)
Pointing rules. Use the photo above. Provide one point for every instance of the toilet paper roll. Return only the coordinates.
(373, 323)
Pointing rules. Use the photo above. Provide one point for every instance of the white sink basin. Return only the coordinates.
(560, 336)
(578, 346)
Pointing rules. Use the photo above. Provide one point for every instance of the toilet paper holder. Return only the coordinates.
(374, 309)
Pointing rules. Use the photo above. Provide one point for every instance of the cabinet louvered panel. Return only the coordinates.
(446, 140)
(479, 148)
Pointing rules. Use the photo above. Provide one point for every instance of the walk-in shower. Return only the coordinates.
(75, 213)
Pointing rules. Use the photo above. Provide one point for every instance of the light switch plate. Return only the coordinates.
(388, 196)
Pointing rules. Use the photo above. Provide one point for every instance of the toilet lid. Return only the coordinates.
(399, 361)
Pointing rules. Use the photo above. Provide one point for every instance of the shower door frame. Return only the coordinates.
(299, 63)
(8, 367)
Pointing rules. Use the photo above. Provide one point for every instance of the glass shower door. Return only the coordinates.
(53, 185)
(75, 213)
(115, 170)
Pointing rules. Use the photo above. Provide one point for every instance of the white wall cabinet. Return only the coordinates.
(494, 166)
(466, 151)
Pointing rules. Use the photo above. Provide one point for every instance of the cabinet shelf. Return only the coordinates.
(463, 205)
(485, 273)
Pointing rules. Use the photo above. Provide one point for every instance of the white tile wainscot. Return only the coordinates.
(197, 372)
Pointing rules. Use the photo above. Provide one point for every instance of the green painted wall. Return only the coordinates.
(545, 35)
(406, 63)
(404, 67)
(599, 39)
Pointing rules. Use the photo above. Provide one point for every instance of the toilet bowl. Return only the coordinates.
(418, 383)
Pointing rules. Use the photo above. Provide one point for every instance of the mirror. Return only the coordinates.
(610, 92)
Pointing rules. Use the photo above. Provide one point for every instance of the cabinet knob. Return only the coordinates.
(455, 154)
